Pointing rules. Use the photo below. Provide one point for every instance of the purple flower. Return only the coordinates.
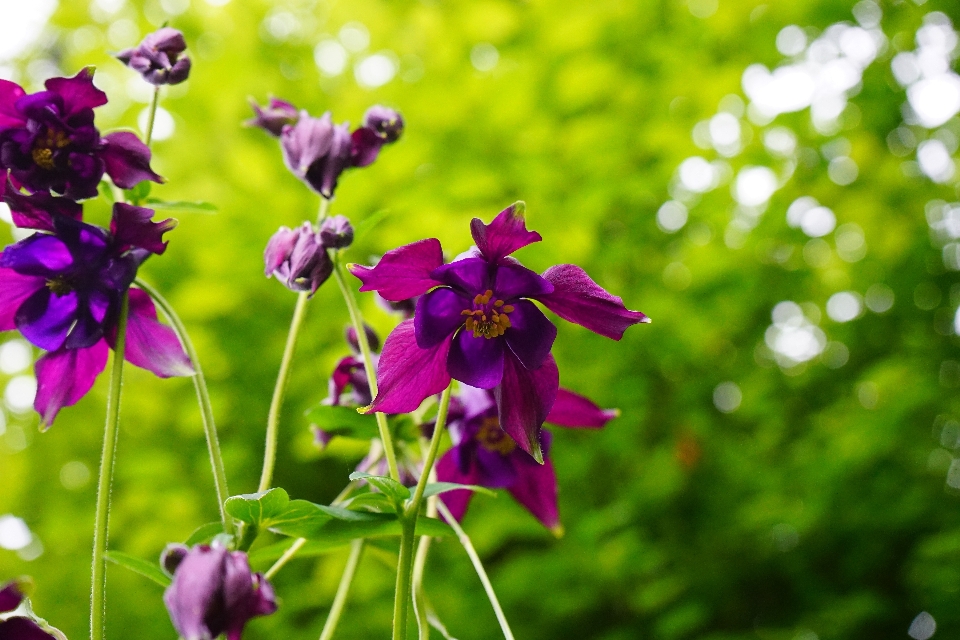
(373, 340)
(159, 57)
(336, 232)
(62, 288)
(274, 116)
(298, 258)
(483, 454)
(19, 628)
(385, 122)
(351, 374)
(476, 323)
(10, 597)
(48, 140)
(214, 592)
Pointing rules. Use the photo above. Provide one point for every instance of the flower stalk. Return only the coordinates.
(330, 626)
(203, 399)
(152, 115)
(107, 459)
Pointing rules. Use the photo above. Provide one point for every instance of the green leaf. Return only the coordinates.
(181, 205)
(145, 568)
(368, 223)
(106, 190)
(301, 519)
(343, 421)
(436, 488)
(204, 533)
(377, 501)
(388, 486)
(313, 548)
(139, 193)
(258, 509)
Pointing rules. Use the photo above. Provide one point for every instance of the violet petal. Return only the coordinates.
(524, 399)
(10, 116)
(46, 318)
(578, 299)
(134, 227)
(18, 628)
(196, 585)
(573, 410)
(407, 374)
(448, 470)
(65, 376)
(403, 272)
(38, 255)
(38, 211)
(495, 470)
(505, 234)
(477, 362)
(438, 315)
(151, 345)
(365, 146)
(10, 597)
(515, 281)
(530, 335)
(470, 276)
(127, 160)
(14, 290)
(78, 92)
(536, 489)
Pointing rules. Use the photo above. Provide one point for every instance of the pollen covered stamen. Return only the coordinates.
(45, 144)
(59, 286)
(493, 438)
(486, 319)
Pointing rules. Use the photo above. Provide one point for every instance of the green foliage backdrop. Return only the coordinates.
(816, 506)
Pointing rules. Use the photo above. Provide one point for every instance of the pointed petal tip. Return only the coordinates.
(519, 209)
(365, 410)
(646, 320)
(536, 451)
(558, 531)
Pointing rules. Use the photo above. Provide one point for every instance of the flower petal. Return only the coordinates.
(38, 211)
(477, 362)
(65, 376)
(578, 299)
(46, 318)
(151, 345)
(470, 276)
(127, 160)
(78, 92)
(10, 597)
(365, 146)
(505, 234)
(196, 585)
(18, 628)
(438, 315)
(134, 227)
(408, 374)
(530, 335)
(87, 329)
(10, 116)
(573, 410)
(495, 470)
(515, 281)
(448, 470)
(14, 290)
(38, 255)
(536, 489)
(403, 272)
(524, 398)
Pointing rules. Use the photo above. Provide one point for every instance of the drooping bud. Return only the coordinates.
(373, 340)
(336, 232)
(317, 151)
(172, 556)
(273, 117)
(385, 122)
(298, 259)
(159, 57)
(214, 592)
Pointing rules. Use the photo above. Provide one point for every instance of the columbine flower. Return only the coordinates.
(159, 57)
(317, 151)
(483, 454)
(274, 116)
(298, 258)
(478, 324)
(213, 591)
(48, 140)
(62, 288)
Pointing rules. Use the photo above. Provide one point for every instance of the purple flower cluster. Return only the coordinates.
(159, 57)
(48, 141)
(475, 322)
(318, 151)
(298, 257)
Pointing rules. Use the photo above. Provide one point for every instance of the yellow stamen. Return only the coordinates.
(508, 308)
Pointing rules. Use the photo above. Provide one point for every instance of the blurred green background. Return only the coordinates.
(783, 462)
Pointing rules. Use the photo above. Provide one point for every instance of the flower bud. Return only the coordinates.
(172, 556)
(336, 232)
(317, 151)
(159, 57)
(10, 597)
(385, 122)
(214, 592)
(372, 339)
(298, 259)
(273, 117)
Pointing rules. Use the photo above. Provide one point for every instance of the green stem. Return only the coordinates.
(408, 534)
(152, 114)
(98, 585)
(478, 567)
(357, 319)
(420, 606)
(356, 549)
(273, 419)
(203, 399)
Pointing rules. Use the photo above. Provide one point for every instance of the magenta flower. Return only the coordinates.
(483, 454)
(159, 57)
(48, 141)
(476, 323)
(62, 288)
(213, 591)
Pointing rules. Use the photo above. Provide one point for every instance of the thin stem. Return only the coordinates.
(356, 549)
(151, 116)
(408, 534)
(203, 399)
(286, 557)
(273, 418)
(357, 319)
(478, 567)
(324, 208)
(420, 606)
(98, 585)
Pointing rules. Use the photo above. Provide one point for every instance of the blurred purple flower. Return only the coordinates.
(19, 628)
(10, 597)
(48, 141)
(214, 592)
(476, 323)
(159, 57)
(274, 116)
(298, 258)
(336, 232)
(483, 454)
(62, 288)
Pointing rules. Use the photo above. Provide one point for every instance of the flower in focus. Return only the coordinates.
(318, 151)
(48, 141)
(213, 591)
(159, 57)
(476, 323)
(62, 288)
(483, 454)
(274, 116)
(298, 258)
